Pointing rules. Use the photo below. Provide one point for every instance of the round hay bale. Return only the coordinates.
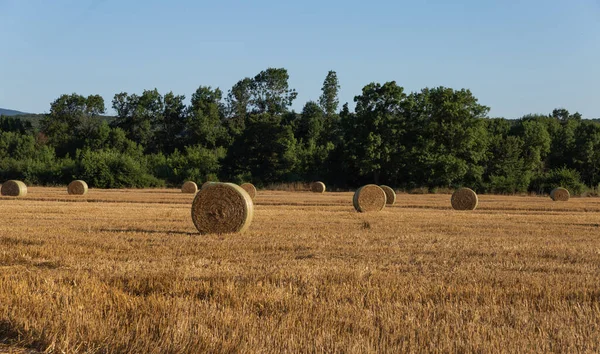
(369, 198)
(222, 208)
(250, 189)
(560, 194)
(207, 183)
(390, 195)
(318, 187)
(189, 187)
(77, 187)
(14, 188)
(464, 199)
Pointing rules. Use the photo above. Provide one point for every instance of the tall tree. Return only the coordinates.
(169, 126)
(138, 116)
(447, 137)
(270, 92)
(329, 101)
(373, 138)
(205, 119)
(238, 101)
(71, 118)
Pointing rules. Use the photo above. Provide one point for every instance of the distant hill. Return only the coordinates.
(10, 112)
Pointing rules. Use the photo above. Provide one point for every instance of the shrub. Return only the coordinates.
(562, 177)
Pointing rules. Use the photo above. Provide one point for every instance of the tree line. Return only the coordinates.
(434, 138)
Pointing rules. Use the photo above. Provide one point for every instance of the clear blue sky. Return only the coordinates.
(517, 57)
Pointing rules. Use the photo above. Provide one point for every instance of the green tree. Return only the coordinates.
(586, 152)
(373, 135)
(14, 124)
(205, 119)
(270, 92)
(238, 101)
(447, 138)
(265, 152)
(169, 127)
(71, 119)
(139, 115)
(329, 101)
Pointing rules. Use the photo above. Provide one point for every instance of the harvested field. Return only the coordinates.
(127, 271)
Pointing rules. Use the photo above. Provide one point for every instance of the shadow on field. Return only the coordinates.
(14, 335)
(143, 231)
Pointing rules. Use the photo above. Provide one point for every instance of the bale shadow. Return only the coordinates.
(144, 231)
(12, 335)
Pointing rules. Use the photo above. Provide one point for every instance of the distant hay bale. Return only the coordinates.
(369, 198)
(14, 188)
(207, 183)
(222, 208)
(250, 189)
(464, 199)
(189, 187)
(318, 187)
(560, 194)
(77, 187)
(390, 195)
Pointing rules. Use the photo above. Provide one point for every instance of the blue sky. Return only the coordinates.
(517, 57)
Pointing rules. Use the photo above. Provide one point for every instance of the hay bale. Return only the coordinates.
(390, 195)
(14, 188)
(77, 187)
(189, 187)
(207, 183)
(560, 194)
(250, 189)
(222, 208)
(369, 198)
(464, 199)
(317, 187)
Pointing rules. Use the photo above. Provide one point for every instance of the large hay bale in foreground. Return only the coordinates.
(464, 199)
(14, 188)
(222, 208)
(317, 187)
(250, 189)
(560, 194)
(390, 195)
(77, 187)
(189, 187)
(369, 198)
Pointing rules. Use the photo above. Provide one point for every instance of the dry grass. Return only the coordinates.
(126, 271)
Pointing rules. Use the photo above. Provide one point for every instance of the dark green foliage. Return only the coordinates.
(71, 119)
(10, 124)
(112, 169)
(562, 177)
(266, 151)
(436, 138)
(329, 101)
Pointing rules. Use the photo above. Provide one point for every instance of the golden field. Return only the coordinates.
(126, 271)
